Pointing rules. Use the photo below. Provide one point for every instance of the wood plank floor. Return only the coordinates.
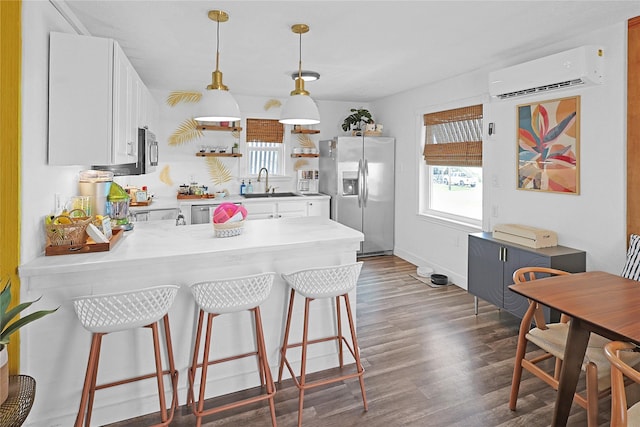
(429, 361)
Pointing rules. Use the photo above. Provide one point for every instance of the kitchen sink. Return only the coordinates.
(262, 195)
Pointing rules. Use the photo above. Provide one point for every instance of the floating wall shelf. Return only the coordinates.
(220, 128)
(218, 155)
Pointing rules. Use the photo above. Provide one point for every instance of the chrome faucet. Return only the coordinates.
(180, 219)
(266, 181)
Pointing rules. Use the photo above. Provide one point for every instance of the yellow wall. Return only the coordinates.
(10, 83)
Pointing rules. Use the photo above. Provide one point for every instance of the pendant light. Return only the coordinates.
(217, 104)
(300, 109)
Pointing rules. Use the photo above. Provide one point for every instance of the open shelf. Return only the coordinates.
(304, 155)
(218, 155)
(306, 131)
(220, 128)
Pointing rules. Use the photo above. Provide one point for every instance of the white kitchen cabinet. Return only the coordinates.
(276, 209)
(319, 207)
(97, 101)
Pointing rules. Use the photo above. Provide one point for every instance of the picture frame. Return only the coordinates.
(548, 145)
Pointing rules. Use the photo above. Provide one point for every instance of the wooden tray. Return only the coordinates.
(192, 196)
(147, 203)
(90, 246)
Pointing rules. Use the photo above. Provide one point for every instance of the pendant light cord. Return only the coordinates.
(217, 45)
(300, 58)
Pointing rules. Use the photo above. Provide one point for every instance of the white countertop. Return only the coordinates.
(162, 203)
(152, 242)
(236, 198)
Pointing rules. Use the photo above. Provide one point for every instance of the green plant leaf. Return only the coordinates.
(9, 315)
(5, 298)
(22, 322)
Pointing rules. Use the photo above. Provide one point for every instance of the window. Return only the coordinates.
(265, 155)
(452, 175)
(264, 146)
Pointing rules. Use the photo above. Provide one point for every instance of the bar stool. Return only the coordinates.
(327, 282)
(108, 313)
(230, 296)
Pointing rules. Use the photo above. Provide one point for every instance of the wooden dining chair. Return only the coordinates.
(551, 338)
(617, 352)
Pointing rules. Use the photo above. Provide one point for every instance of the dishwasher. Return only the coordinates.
(200, 214)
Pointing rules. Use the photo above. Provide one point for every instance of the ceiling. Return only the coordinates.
(364, 50)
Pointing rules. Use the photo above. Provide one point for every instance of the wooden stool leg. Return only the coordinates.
(356, 350)
(303, 366)
(159, 374)
(260, 350)
(271, 389)
(173, 373)
(94, 378)
(285, 343)
(194, 361)
(205, 365)
(339, 320)
(88, 378)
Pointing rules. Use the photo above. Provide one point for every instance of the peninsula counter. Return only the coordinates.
(55, 350)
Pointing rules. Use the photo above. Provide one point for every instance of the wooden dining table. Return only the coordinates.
(598, 302)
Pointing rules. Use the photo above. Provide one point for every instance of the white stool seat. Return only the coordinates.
(324, 282)
(120, 311)
(231, 295)
(219, 297)
(124, 310)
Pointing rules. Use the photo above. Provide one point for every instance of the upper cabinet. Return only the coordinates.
(97, 101)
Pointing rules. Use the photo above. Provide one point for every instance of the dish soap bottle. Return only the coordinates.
(250, 187)
(243, 188)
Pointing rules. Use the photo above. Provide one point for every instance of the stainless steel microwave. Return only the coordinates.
(147, 157)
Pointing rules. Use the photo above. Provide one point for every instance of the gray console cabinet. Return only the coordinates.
(491, 263)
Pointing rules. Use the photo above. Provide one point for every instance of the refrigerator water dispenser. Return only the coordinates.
(350, 183)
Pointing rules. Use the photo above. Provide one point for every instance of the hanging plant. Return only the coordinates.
(179, 96)
(186, 132)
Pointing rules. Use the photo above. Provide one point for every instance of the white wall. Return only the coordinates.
(183, 164)
(594, 221)
(40, 182)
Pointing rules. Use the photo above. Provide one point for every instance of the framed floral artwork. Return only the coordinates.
(548, 146)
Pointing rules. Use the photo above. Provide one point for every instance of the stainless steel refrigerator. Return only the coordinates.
(358, 173)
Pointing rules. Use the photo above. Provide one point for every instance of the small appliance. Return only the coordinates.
(96, 185)
(147, 151)
(308, 181)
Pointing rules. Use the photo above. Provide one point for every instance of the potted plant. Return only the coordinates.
(357, 120)
(6, 330)
(234, 149)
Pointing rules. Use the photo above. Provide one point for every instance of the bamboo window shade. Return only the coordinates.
(264, 130)
(454, 137)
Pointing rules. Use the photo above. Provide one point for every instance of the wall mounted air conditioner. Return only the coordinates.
(580, 66)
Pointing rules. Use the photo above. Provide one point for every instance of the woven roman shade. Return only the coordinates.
(454, 137)
(264, 130)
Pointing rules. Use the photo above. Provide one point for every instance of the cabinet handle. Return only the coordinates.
(270, 216)
(503, 254)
